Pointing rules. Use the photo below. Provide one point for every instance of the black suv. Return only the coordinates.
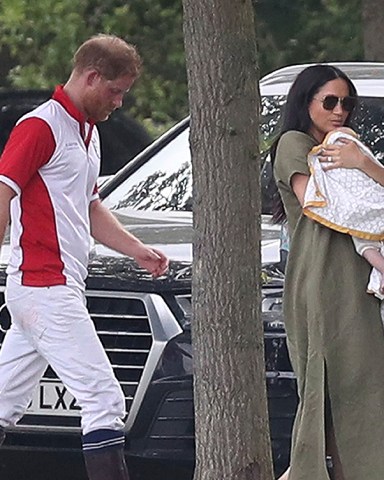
(144, 324)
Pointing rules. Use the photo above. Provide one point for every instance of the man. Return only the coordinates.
(48, 175)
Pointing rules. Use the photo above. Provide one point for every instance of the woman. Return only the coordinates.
(334, 330)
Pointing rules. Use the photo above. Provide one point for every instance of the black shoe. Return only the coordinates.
(106, 465)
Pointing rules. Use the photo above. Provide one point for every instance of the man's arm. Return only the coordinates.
(6, 195)
(106, 229)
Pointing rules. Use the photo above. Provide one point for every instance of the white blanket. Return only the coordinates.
(345, 199)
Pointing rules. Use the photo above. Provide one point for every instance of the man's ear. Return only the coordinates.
(92, 77)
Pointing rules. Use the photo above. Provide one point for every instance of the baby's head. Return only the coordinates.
(347, 130)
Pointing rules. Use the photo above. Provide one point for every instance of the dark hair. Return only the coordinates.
(296, 110)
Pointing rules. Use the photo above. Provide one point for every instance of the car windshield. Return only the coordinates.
(164, 182)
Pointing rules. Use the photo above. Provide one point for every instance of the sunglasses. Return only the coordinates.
(330, 101)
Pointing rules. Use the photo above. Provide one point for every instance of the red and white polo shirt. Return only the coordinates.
(51, 161)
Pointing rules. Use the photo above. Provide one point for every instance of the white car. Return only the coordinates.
(163, 173)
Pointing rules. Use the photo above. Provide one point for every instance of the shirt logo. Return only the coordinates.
(72, 146)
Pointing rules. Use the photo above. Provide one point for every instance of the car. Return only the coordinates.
(145, 323)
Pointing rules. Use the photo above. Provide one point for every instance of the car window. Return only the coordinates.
(369, 124)
(164, 182)
(271, 110)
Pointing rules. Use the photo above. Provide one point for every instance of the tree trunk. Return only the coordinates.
(232, 432)
(373, 32)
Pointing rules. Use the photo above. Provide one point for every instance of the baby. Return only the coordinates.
(349, 201)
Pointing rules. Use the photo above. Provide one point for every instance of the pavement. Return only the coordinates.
(48, 466)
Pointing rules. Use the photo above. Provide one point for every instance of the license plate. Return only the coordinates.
(52, 398)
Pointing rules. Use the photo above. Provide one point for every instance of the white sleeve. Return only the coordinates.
(361, 245)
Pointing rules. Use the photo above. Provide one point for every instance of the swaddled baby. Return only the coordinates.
(349, 201)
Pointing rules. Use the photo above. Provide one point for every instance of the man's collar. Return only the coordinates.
(60, 96)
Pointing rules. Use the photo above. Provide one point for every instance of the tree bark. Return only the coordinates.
(373, 32)
(232, 431)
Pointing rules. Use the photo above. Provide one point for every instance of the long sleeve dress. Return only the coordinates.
(335, 337)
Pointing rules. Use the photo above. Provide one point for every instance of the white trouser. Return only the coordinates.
(51, 325)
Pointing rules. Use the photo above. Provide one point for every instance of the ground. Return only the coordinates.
(32, 466)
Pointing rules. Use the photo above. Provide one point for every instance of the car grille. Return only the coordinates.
(173, 428)
(129, 335)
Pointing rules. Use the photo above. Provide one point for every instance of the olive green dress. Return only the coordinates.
(335, 338)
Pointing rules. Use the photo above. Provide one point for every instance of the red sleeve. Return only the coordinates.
(29, 147)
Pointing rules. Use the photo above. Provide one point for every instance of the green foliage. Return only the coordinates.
(42, 35)
(305, 31)
(161, 93)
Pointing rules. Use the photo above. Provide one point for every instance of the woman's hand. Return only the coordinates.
(346, 155)
(349, 155)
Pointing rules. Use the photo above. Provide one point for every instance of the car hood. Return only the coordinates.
(171, 232)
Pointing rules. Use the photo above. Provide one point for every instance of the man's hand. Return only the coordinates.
(152, 260)
(107, 230)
